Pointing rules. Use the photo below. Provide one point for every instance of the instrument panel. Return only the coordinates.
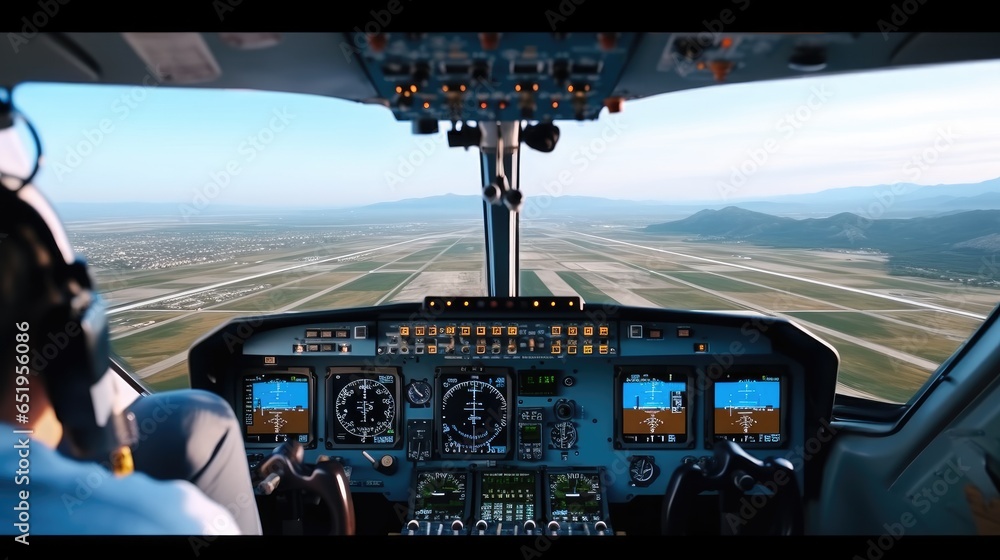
(514, 416)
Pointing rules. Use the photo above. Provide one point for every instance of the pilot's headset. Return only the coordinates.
(72, 341)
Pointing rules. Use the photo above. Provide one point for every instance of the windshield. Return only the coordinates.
(865, 208)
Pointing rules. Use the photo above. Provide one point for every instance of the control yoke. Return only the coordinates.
(327, 479)
(755, 497)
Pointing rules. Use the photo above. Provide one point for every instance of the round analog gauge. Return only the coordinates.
(439, 496)
(365, 409)
(563, 435)
(575, 496)
(418, 393)
(642, 471)
(474, 417)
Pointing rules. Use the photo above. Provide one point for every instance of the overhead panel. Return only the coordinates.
(495, 76)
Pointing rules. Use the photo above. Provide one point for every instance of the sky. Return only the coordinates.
(736, 142)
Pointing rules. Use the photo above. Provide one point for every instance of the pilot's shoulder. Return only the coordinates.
(62, 496)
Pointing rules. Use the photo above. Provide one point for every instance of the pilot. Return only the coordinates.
(72, 462)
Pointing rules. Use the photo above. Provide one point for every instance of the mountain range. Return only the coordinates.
(960, 244)
(873, 202)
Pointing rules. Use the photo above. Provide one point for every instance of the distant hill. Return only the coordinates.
(943, 245)
(902, 200)
(879, 201)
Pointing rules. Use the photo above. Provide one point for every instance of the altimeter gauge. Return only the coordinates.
(563, 435)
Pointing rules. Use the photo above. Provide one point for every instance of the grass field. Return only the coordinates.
(914, 341)
(174, 377)
(532, 285)
(587, 291)
(269, 300)
(324, 280)
(895, 381)
(340, 299)
(719, 283)
(684, 298)
(149, 347)
(361, 266)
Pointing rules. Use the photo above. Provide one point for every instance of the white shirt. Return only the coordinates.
(43, 492)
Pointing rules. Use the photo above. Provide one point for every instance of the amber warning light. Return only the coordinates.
(441, 304)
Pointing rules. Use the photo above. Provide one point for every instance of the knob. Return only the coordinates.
(564, 409)
(513, 200)
(492, 193)
(743, 481)
(412, 525)
(457, 525)
(553, 527)
(601, 527)
(387, 464)
(481, 525)
(529, 526)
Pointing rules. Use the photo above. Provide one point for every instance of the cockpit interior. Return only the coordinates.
(553, 417)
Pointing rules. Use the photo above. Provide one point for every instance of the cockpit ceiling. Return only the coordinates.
(473, 76)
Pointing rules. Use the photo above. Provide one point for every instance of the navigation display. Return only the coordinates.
(474, 413)
(748, 409)
(507, 496)
(652, 406)
(365, 406)
(277, 407)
